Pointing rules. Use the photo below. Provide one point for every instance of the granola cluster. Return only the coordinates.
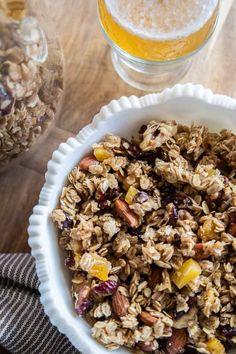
(30, 82)
(149, 230)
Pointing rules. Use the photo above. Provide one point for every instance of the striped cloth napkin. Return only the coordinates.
(24, 327)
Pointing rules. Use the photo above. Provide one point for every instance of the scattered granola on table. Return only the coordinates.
(149, 228)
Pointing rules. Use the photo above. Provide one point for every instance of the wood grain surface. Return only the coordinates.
(90, 82)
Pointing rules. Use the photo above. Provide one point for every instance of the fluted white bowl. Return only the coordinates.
(186, 104)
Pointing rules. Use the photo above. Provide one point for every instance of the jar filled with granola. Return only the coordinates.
(30, 76)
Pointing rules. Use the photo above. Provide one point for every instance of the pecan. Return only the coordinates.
(176, 343)
(83, 304)
(122, 208)
(120, 304)
(147, 347)
(148, 319)
(155, 278)
(88, 161)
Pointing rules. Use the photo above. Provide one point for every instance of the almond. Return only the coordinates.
(147, 347)
(122, 208)
(176, 343)
(120, 304)
(88, 161)
(155, 278)
(148, 319)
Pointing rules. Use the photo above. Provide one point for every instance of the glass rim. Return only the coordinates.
(138, 60)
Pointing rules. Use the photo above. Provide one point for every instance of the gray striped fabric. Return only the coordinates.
(24, 327)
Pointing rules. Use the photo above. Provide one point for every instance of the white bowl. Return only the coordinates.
(184, 103)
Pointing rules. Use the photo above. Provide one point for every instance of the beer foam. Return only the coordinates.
(161, 19)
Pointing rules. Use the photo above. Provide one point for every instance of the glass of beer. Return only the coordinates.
(153, 41)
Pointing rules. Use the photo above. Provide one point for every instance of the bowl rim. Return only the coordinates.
(58, 157)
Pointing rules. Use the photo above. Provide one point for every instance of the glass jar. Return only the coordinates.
(30, 76)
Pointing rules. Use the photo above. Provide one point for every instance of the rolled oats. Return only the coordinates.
(181, 224)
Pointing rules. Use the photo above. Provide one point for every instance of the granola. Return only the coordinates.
(149, 231)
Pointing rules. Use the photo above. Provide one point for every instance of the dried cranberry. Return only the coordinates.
(156, 132)
(135, 232)
(103, 204)
(228, 331)
(182, 199)
(113, 193)
(162, 343)
(149, 156)
(228, 344)
(41, 119)
(178, 314)
(232, 217)
(167, 200)
(83, 302)
(140, 197)
(103, 201)
(84, 306)
(6, 101)
(143, 129)
(69, 261)
(101, 196)
(173, 216)
(167, 188)
(177, 199)
(132, 150)
(105, 288)
(67, 224)
(192, 301)
(177, 240)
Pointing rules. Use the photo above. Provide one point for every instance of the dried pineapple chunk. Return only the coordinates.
(100, 268)
(187, 272)
(100, 271)
(101, 154)
(95, 265)
(215, 346)
(132, 191)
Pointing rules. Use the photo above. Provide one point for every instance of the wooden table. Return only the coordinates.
(90, 82)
